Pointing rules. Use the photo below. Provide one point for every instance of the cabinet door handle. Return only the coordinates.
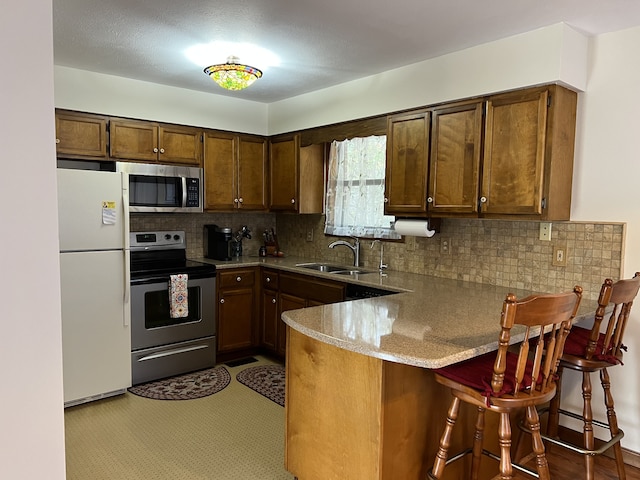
(273, 300)
(238, 278)
(162, 150)
(483, 199)
(240, 200)
(268, 279)
(155, 150)
(235, 200)
(429, 199)
(57, 140)
(293, 200)
(222, 300)
(386, 200)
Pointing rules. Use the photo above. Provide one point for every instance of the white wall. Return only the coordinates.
(110, 95)
(547, 55)
(606, 177)
(31, 402)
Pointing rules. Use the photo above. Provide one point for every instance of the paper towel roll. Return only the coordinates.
(414, 228)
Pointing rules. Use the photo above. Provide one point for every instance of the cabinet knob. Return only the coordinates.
(483, 199)
(57, 140)
(293, 200)
(268, 279)
(386, 200)
(235, 200)
(222, 300)
(429, 199)
(273, 300)
(238, 278)
(155, 150)
(240, 200)
(162, 150)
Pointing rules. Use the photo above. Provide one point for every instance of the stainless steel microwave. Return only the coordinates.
(163, 188)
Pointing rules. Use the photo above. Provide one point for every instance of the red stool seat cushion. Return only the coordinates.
(476, 373)
(576, 344)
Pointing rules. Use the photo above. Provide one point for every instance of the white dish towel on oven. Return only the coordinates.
(178, 295)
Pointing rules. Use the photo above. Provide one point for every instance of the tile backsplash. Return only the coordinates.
(193, 225)
(497, 252)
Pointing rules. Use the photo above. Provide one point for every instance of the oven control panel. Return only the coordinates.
(164, 240)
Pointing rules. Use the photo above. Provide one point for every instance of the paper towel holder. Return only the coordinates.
(432, 223)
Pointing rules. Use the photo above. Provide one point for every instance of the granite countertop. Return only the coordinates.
(431, 322)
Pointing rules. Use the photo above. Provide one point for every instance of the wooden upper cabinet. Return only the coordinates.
(235, 172)
(283, 157)
(407, 164)
(252, 173)
(152, 142)
(454, 160)
(528, 154)
(80, 135)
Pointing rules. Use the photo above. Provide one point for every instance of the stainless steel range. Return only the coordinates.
(164, 344)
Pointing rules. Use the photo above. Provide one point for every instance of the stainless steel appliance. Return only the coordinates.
(162, 346)
(94, 276)
(163, 188)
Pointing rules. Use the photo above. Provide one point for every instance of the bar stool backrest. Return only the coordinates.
(620, 295)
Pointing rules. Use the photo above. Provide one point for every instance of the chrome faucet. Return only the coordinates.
(355, 248)
(382, 266)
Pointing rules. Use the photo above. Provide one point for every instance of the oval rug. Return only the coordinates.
(185, 387)
(267, 380)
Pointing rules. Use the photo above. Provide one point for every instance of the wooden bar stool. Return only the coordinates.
(504, 381)
(589, 351)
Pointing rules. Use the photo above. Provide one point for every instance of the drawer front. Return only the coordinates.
(236, 278)
(270, 279)
(320, 291)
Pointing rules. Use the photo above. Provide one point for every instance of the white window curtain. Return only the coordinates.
(355, 189)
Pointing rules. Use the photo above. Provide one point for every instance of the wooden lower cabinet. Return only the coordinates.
(283, 291)
(351, 416)
(236, 313)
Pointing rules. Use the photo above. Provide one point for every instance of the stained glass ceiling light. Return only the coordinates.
(233, 75)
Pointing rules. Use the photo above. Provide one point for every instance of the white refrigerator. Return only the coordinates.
(93, 217)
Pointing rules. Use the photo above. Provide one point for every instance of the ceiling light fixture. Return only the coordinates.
(233, 75)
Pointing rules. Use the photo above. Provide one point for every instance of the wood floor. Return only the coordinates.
(566, 465)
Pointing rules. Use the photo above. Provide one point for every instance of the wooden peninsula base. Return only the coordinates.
(354, 417)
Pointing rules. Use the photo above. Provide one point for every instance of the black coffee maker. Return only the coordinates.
(217, 242)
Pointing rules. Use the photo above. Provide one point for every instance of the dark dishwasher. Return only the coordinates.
(355, 291)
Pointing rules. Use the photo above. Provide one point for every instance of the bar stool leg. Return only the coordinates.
(613, 421)
(477, 444)
(533, 419)
(554, 407)
(445, 440)
(587, 416)
(504, 439)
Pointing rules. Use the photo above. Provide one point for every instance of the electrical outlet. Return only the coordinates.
(445, 245)
(545, 231)
(559, 256)
(310, 235)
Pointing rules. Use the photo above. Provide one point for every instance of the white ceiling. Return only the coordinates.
(320, 44)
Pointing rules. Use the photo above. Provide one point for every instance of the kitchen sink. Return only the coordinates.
(328, 268)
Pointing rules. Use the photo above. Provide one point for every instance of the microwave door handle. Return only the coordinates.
(184, 191)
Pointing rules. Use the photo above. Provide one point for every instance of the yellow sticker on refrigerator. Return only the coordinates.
(108, 213)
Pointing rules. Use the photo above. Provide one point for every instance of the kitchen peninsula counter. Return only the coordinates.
(361, 399)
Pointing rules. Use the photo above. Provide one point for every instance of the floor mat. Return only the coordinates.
(185, 387)
(267, 380)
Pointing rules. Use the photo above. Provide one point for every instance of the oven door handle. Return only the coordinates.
(174, 351)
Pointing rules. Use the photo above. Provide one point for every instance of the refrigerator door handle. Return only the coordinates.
(126, 317)
(125, 212)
